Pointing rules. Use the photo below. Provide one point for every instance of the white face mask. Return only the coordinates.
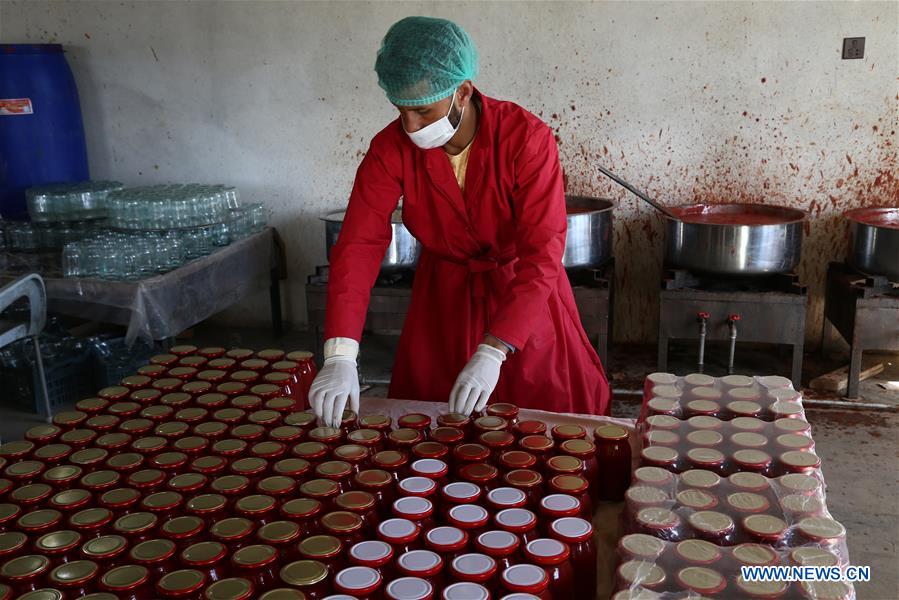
(437, 133)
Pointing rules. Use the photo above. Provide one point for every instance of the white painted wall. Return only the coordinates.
(280, 99)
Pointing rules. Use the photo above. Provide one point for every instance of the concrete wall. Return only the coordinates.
(709, 101)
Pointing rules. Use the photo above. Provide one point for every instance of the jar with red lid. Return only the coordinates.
(459, 492)
(53, 454)
(519, 521)
(233, 532)
(497, 442)
(184, 530)
(222, 364)
(107, 551)
(402, 534)
(171, 463)
(555, 557)
(67, 501)
(304, 512)
(528, 580)
(136, 526)
(528, 427)
(254, 364)
(698, 552)
(395, 462)
(380, 423)
(32, 495)
(257, 508)
(613, 457)
(501, 546)
(470, 518)
(157, 555)
(153, 371)
(208, 465)
(283, 536)
(363, 583)
(371, 439)
(424, 564)
(528, 481)
(586, 451)
(538, 445)
(209, 507)
(640, 547)
(577, 533)
(209, 557)
(229, 448)
(374, 554)
(128, 582)
(309, 577)
(449, 437)
(183, 583)
(25, 573)
(91, 522)
(14, 543)
(102, 424)
(474, 568)
(192, 445)
(469, 453)
(481, 474)
(713, 526)
(192, 415)
(465, 590)
(59, 546)
(325, 549)
(75, 579)
(489, 423)
(378, 483)
(446, 541)
(355, 455)
(563, 464)
(278, 383)
(404, 438)
(360, 503)
(40, 521)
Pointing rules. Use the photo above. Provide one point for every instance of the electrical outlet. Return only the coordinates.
(854, 47)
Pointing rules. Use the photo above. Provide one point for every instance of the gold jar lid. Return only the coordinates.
(171, 429)
(318, 487)
(800, 458)
(274, 378)
(747, 501)
(645, 494)
(374, 478)
(364, 435)
(174, 399)
(70, 497)
(762, 589)
(250, 464)
(271, 354)
(659, 454)
(182, 372)
(748, 481)
(634, 571)
(211, 399)
(91, 516)
(701, 579)
(204, 553)
(187, 481)
(567, 464)
(30, 492)
(653, 475)
(135, 522)
(291, 466)
(325, 433)
(402, 435)
(334, 468)
(169, 459)
(710, 521)
(56, 541)
(137, 426)
(162, 500)
(277, 484)
(662, 422)
(42, 431)
(749, 439)
(254, 556)
(244, 375)
(152, 550)
(246, 402)
(279, 532)
(233, 588)
(696, 499)
(125, 460)
(206, 502)
(113, 440)
(102, 422)
(233, 527)
(182, 525)
(264, 416)
(700, 478)
(822, 528)
(248, 430)
(279, 403)
(799, 482)
(285, 432)
(309, 449)
(229, 446)
(752, 457)
(207, 463)
(304, 573)
(301, 507)
(255, 503)
(642, 546)
(355, 500)
(229, 483)
(24, 468)
(299, 355)
(125, 577)
(300, 419)
(664, 437)
(535, 442)
(184, 580)
(210, 428)
(120, 496)
(104, 546)
(75, 572)
(705, 456)
(50, 594)
(494, 437)
(698, 551)
(229, 414)
(341, 521)
(78, 436)
(24, 566)
(267, 448)
(123, 408)
(12, 541)
(764, 525)
(39, 518)
(320, 546)
(8, 511)
(814, 556)
(191, 443)
(754, 554)
(88, 456)
(146, 477)
(144, 395)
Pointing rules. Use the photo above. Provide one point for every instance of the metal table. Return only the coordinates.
(162, 306)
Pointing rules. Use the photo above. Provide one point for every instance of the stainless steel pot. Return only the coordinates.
(588, 244)
(734, 239)
(402, 253)
(874, 245)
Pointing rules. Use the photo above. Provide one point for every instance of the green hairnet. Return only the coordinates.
(423, 60)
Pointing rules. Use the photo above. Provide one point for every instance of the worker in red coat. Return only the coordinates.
(492, 315)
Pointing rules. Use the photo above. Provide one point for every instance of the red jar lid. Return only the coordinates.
(230, 447)
(448, 436)
(334, 469)
(352, 453)
(211, 401)
(114, 393)
(546, 551)
(101, 423)
(268, 449)
(461, 492)
(415, 421)
(529, 427)
(183, 350)
(503, 409)
(446, 539)
(479, 473)
(506, 497)
(417, 486)
(536, 443)
(213, 373)
(430, 449)
(371, 553)
(222, 364)
(419, 563)
(471, 453)
(473, 567)
(397, 531)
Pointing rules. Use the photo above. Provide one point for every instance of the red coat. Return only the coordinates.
(491, 262)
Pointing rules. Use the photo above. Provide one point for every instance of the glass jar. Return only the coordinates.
(361, 503)
(128, 582)
(506, 497)
(613, 455)
(184, 583)
(449, 437)
(470, 518)
(418, 510)
(230, 486)
(59, 546)
(208, 465)
(528, 580)
(258, 508)
(188, 484)
(474, 568)
(91, 522)
(296, 468)
(344, 525)
(554, 556)
(469, 453)
(164, 505)
(120, 501)
(409, 588)
(375, 554)
(76, 578)
(528, 427)
(158, 556)
(482, 474)
(528, 481)
(578, 535)
(209, 557)
(338, 471)
(233, 588)
(501, 546)
(379, 483)
(448, 542)
(713, 526)
(507, 411)
(233, 532)
(25, 573)
(257, 564)
(519, 521)
(184, 530)
(283, 536)
(424, 564)
(107, 551)
(459, 492)
(314, 452)
(309, 577)
(137, 526)
(304, 512)
(497, 442)
(395, 462)
(325, 549)
(323, 490)
(538, 445)
(402, 534)
(489, 423)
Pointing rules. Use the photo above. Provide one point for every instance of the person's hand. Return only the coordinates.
(335, 385)
(476, 381)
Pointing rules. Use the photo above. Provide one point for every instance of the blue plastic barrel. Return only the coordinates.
(41, 132)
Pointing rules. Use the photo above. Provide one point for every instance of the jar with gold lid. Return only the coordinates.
(70, 501)
(184, 583)
(120, 501)
(40, 521)
(165, 504)
(208, 465)
(233, 532)
(258, 564)
(157, 555)
(325, 549)
(323, 490)
(25, 573)
(209, 557)
(75, 579)
(184, 530)
(310, 577)
(258, 508)
(346, 526)
(380, 484)
(13, 543)
(132, 582)
(32, 495)
(188, 483)
(209, 507)
(106, 551)
(232, 588)
(361, 503)
(304, 512)
(136, 527)
(283, 536)
(59, 546)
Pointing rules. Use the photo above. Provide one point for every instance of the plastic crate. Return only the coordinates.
(109, 368)
(68, 381)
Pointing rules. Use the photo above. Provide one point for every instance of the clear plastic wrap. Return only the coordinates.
(767, 398)
(652, 569)
(785, 512)
(743, 444)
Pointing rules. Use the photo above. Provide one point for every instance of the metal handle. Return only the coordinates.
(702, 317)
(637, 193)
(732, 323)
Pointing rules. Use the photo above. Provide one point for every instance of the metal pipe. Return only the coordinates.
(703, 317)
(847, 405)
(732, 323)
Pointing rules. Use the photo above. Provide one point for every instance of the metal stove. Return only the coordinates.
(763, 309)
(390, 297)
(865, 310)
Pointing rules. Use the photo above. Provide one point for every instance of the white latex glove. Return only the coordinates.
(476, 381)
(337, 384)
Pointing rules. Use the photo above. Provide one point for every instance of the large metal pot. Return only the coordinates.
(402, 253)
(588, 244)
(734, 239)
(874, 245)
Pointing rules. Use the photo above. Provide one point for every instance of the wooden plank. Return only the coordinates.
(838, 379)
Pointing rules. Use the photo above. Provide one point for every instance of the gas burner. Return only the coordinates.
(864, 309)
(763, 309)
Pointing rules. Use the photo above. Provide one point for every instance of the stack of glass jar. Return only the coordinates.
(728, 479)
(174, 206)
(199, 477)
(79, 201)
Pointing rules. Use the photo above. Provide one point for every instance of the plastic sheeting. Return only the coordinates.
(165, 305)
